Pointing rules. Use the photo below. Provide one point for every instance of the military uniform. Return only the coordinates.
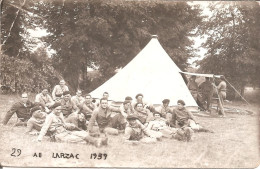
(105, 121)
(222, 88)
(44, 100)
(36, 121)
(22, 111)
(137, 132)
(206, 89)
(166, 113)
(193, 87)
(57, 126)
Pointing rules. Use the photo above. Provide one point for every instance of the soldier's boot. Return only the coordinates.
(104, 141)
(188, 133)
(180, 135)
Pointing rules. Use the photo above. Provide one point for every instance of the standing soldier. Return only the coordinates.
(206, 89)
(193, 87)
(222, 89)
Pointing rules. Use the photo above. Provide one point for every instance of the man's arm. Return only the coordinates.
(45, 127)
(37, 98)
(10, 113)
(53, 93)
(191, 116)
(29, 126)
(50, 99)
(92, 121)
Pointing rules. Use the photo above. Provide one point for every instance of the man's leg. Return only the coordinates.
(169, 119)
(193, 125)
(149, 117)
(209, 96)
(197, 127)
(153, 134)
(222, 96)
(111, 131)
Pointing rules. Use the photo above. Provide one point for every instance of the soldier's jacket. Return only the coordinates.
(206, 87)
(134, 132)
(87, 109)
(163, 110)
(68, 106)
(192, 85)
(102, 117)
(182, 116)
(22, 111)
(54, 124)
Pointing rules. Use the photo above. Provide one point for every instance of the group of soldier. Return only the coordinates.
(203, 93)
(79, 119)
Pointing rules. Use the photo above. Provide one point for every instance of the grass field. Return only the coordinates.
(234, 144)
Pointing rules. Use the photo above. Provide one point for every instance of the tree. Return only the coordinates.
(110, 34)
(233, 42)
(21, 69)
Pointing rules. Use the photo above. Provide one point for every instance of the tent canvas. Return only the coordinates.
(152, 73)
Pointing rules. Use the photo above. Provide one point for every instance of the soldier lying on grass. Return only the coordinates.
(61, 131)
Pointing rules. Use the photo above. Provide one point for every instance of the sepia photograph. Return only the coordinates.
(130, 83)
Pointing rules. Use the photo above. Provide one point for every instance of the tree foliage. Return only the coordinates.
(107, 34)
(233, 42)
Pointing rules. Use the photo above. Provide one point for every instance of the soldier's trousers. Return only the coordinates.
(222, 96)
(75, 137)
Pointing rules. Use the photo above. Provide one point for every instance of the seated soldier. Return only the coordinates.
(60, 130)
(185, 118)
(58, 90)
(78, 119)
(105, 96)
(159, 125)
(136, 132)
(87, 107)
(126, 107)
(106, 123)
(22, 110)
(139, 99)
(67, 106)
(144, 115)
(37, 120)
(77, 99)
(165, 111)
(45, 99)
(129, 110)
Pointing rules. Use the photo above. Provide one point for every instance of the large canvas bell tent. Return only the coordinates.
(152, 73)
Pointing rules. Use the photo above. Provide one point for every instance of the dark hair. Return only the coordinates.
(128, 98)
(103, 99)
(139, 103)
(181, 102)
(140, 94)
(207, 78)
(105, 93)
(65, 93)
(166, 101)
(88, 95)
(125, 102)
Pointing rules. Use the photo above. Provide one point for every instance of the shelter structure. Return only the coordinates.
(153, 73)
